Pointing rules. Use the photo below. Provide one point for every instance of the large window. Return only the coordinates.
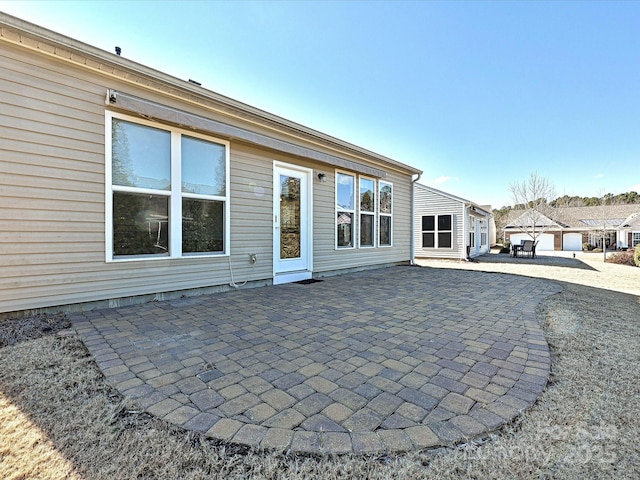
(167, 194)
(367, 212)
(363, 211)
(386, 214)
(635, 239)
(345, 210)
(436, 231)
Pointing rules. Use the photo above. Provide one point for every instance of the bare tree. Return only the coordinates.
(501, 218)
(533, 212)
(604, 226)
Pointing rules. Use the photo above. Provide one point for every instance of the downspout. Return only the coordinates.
(413, 221)
(465, 233)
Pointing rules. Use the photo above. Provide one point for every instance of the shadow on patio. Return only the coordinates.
(541, 258)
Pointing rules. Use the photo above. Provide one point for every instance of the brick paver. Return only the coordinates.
(393, 359)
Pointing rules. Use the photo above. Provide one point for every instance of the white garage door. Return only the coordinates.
(545, 241)
(572, 242)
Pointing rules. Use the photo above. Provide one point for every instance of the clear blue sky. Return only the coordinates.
(476, 94)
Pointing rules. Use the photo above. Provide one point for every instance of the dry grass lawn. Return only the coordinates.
(59, 419)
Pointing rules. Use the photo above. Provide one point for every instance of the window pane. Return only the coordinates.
(428, 223)
(366, 230)
(141, 156)
(202, 226)
(140, 224)
(385, 230)
(444, 240)
(428, 240)
(290, 226)
(203, 167)
(345, 186)
(444, 222)
(385, 197)
(345, 229)
(367, 195)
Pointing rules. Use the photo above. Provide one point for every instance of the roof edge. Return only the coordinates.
(454, 197)
(66, 48)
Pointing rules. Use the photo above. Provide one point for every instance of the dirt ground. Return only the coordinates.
(59, 419)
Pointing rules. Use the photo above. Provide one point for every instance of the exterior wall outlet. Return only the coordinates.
(253, 257)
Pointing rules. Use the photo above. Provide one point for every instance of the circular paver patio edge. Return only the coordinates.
(446, 357)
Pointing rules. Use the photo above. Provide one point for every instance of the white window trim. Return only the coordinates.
(175, 194)
(374, 214)
(635, 242)
(472, 231)
(354, 221)
(390, 215)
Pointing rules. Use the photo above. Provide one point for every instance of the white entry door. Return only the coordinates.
(292, 237)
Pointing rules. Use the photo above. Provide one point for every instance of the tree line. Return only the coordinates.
(607, 199)
(628, 198)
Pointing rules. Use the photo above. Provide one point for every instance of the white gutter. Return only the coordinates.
(413, 221)
(47, 42)
(465, 231)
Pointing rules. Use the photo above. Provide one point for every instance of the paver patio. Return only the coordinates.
(386, 360)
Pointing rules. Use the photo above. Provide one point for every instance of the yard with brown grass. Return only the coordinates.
(59, 418)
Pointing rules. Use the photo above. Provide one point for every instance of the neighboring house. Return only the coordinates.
(571, 227)
(446, 226)
(119, 183)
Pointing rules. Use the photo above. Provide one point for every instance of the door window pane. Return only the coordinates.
(290, 228)
(141, 156)
(203, 167)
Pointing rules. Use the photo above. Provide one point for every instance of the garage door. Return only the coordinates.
(545, 241)
(572, 242)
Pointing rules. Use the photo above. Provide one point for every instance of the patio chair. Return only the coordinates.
(528, 247)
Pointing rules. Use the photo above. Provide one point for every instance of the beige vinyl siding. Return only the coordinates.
(52, 192)
(52, 195)
(432, 203)
(251, 213)
(328, 258)
(52, 218)
(258, 172)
